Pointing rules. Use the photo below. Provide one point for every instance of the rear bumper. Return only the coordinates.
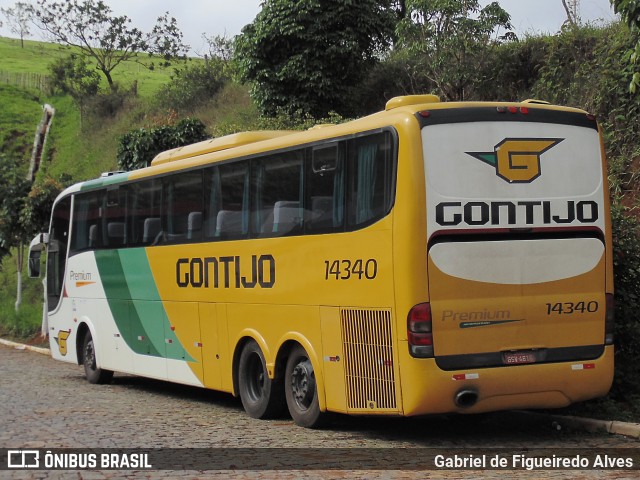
(426, 389)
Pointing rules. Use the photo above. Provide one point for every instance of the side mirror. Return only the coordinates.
(34, 263)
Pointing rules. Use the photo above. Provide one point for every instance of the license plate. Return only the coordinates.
(517, 358)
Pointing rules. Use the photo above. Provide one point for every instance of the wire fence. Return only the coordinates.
(37, 81)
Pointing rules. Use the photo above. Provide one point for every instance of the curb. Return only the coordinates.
(22, 346)
(592, 425)
(627, 429)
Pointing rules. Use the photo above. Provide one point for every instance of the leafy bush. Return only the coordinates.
(137, 148)
(626, 264)
(193, 86)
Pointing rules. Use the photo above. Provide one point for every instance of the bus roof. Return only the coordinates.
(244, 143)
(217, 144)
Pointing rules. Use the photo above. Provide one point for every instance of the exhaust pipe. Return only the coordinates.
(466, 398)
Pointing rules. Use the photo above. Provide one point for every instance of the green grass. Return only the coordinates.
(36, 57)
(20, 112)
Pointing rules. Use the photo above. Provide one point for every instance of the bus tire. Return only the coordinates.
(93, 373)
(301, 390)
(261, 397)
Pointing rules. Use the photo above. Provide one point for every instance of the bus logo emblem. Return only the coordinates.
(517, 160)
(62, 341)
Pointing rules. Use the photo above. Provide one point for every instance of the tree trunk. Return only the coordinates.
(19, 262)
(109, 80)
(19, 292)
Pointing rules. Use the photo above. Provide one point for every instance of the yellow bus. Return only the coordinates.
(433, 257)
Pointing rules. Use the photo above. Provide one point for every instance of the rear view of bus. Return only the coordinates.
(520, 311)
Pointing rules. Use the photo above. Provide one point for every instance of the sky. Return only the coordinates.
(227, 17)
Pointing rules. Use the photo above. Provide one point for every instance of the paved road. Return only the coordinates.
(47, 404)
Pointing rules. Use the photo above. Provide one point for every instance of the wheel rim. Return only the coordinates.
(255, 378)
(303, 383)
(90, 356)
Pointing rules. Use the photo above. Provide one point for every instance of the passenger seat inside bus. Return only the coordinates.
(194, 225)
(228, 223)
(115, 233)
(93, 236)
(151, 228)
(321, 212)
(287, 215)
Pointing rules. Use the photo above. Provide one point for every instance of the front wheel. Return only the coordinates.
(93, 373)
(261, 397)
(301, 391)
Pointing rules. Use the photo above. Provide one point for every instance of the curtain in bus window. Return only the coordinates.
(262, 218)
(366, 158)
(338, 191)
(213, 192)
(232, 218)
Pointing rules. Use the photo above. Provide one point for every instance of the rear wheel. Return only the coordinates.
(301, 391)
(261, 397)
(93, 373)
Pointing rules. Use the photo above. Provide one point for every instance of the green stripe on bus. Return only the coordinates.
(105, 181)
(135, 304)
(148, 304)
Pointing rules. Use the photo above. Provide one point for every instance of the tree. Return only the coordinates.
(307, 56)
(13, 235)
(450, 39)
(19, 19)
(72, 75)
(109, 40)
(25, 209)
(629, 10)
(137, 148)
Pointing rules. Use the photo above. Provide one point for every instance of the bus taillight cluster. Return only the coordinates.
(419, 332)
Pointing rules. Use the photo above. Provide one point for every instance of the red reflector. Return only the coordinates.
(460, 376)
(420, 339)
(589, 366)
(513, 109)
(425, 114)
(524, 110)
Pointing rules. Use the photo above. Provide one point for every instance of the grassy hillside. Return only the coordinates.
(35, 58)
(20, 112)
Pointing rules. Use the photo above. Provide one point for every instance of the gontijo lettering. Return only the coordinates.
(226, 272)
(514, 213)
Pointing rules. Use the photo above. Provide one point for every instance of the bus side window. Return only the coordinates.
(325, 188)
(226, 215)
(370, 185)
(144, 213)
(277, 202)
(85, 233)
(57, 251)
(182, 200)
(114, 206)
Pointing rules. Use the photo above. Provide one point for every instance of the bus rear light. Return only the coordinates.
(524, 110)
(425, 113)
(609, 321)
(513, 109)
(419, 331)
